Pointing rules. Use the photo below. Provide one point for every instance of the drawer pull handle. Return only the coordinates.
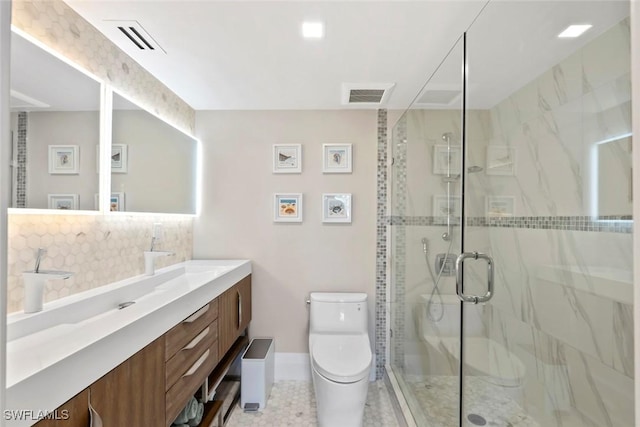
(239, 309)
(198, 314)
(194, 342)
(196, 365)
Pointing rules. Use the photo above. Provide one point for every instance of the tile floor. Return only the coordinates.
(438, 398)
(292, 403)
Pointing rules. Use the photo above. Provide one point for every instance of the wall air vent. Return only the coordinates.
(135, 33)
(366, 94)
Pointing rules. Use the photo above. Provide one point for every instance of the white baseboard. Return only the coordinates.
(292, 366)
(296, 366)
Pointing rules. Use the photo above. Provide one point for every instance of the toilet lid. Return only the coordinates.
(342, 358)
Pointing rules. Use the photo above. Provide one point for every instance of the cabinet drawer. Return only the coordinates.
(192, 378)
(185, 331)
(190, 353)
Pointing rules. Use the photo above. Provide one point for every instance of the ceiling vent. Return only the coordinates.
(136, 35)
(439, 95)
(366, 94)
(21, 102)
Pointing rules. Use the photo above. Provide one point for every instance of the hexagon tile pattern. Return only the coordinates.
(55, 24)
(99, 249)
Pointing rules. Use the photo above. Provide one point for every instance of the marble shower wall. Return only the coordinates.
(564, 293)
(563, 299)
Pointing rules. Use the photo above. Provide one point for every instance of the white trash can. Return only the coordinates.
(257, 374)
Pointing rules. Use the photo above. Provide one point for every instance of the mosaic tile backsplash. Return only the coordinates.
(99, 249)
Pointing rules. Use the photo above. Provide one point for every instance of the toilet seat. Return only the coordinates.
(341, 358)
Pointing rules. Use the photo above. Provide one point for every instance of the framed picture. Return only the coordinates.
(287, 207)
(501, 160)
(446, 160)
(63, 201)
(442, 207)
(336, 207)
(116, 202)
(64, 159)
(287, 158)
(336, 158)
(119, 161)
(500, 206)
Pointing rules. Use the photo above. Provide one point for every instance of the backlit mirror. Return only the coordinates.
(153, 165)
(55, 126)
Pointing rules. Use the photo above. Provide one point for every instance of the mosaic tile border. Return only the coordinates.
(381, 247)
(603, 224)
(399, 278)
(21, 162)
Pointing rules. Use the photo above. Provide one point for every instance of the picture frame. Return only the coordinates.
(116, 202)
(64, 159)
(119, 159)
(63, 201)
(287, 207)
(337, 158)
(501, 160)
(442, 208)
(446, 160)
(500, 206)
(336, 207)
(287, 158)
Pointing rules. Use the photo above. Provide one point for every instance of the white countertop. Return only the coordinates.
(55, 354)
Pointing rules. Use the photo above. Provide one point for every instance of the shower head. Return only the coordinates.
(447, 137)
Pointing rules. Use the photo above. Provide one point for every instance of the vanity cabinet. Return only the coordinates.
(73, 413)
(191, 352)
(133, 393)
(235, 313)
(150, 388)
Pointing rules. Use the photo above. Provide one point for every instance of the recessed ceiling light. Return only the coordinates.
(312, 30)
(573, 31)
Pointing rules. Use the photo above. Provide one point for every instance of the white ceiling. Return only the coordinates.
(250, 54)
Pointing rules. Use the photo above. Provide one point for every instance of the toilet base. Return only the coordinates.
(339, 405)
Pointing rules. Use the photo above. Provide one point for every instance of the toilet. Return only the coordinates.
(340, 353)
(485, 358)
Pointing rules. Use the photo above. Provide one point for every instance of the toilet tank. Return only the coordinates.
(338, 312)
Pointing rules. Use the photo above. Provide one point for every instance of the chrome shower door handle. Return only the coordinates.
(474, 298)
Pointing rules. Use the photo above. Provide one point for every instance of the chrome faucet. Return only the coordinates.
(35, 281)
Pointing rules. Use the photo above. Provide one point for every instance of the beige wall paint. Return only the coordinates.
(81, 128)
(289, 259)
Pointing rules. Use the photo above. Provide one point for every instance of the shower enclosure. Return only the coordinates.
(511, 191)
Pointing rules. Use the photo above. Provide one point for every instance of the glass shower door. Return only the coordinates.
(546, 205)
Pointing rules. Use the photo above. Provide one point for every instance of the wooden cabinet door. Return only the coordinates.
(244, 287)
(234, 313)
(133, 393)
(73, 413)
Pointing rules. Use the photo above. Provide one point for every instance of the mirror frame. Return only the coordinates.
(105, 143)
(105, 158)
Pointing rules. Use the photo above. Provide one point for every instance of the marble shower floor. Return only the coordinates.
(292, 403)
(438, 397)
